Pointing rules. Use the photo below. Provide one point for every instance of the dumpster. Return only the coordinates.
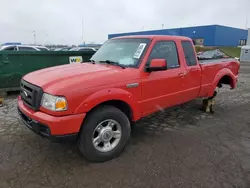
(14, 65)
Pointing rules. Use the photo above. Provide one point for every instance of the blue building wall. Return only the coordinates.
(213, 35)
(206, 32)
(229, 36)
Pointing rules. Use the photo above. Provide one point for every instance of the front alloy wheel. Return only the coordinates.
(107, 135)
(104, 134)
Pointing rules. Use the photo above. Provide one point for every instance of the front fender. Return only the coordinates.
(106, 95)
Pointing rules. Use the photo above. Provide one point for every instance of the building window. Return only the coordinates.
(242, 42)
(199, 41)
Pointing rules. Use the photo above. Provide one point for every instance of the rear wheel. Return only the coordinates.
(104, 134)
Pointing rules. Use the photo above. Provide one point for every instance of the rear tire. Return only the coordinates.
(103, 117)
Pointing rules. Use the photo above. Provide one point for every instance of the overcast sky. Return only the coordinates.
(60, 21)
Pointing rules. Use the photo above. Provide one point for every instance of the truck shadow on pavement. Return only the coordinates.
(177, 118)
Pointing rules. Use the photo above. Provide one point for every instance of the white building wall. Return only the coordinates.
(248, 38)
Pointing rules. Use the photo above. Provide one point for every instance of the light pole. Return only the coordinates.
(247, 22)
(194, 37)
(82, 31)
(194, 34)
(46, 42)
(34, 34)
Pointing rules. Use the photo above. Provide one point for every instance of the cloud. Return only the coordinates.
(60, 21)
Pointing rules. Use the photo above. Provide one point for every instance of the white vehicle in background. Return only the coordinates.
(85, 49)
(23, 48)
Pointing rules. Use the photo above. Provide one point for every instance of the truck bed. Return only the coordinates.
(221, 60)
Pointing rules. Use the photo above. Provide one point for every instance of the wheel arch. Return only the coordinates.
(224, 76)
(118, 98)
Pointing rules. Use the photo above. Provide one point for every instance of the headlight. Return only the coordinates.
(54, 103)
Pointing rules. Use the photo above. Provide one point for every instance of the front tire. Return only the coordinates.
(104, 134)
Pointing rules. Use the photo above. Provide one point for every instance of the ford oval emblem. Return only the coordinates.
(25, 93)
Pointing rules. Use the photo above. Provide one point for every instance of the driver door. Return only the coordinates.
(162, 89)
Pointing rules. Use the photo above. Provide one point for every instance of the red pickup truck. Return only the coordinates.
(126, 79)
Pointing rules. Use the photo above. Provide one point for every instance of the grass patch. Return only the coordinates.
(231, 51)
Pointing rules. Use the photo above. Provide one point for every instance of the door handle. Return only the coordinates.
(182, 75)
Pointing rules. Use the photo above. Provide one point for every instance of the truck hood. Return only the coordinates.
(56, 80)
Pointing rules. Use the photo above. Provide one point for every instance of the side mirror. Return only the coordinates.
(157, 65)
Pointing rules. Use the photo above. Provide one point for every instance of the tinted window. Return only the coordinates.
(86, 50)
(165, 50)
(12, 48)
(26, 49)
(189, 53)
(42, 49)
(73, 49)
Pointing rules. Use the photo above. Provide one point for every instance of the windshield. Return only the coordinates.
(125, 52)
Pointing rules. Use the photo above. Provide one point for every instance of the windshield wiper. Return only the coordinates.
(113, 63)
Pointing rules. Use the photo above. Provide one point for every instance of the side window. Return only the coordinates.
(12, 48)
(43, 49)
(189, 53)
(165, 50)
(86, 50)
(26, 49)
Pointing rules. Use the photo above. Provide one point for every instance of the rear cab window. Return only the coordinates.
(189, 53)
(165, 50)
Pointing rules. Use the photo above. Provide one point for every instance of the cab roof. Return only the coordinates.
(164, 37)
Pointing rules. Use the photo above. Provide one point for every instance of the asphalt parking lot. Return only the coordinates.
(179, 147)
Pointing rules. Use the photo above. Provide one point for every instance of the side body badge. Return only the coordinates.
(132, 85)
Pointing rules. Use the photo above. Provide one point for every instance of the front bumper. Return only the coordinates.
(50, 127)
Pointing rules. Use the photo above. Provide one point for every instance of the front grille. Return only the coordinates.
(31, 95)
